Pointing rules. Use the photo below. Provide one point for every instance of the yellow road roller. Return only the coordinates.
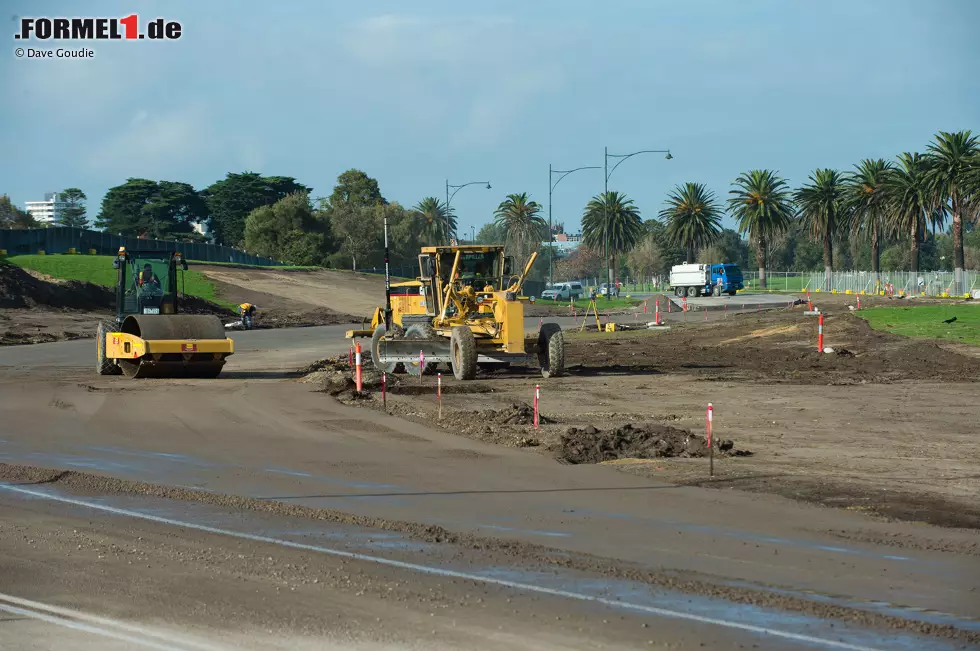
(148, 338)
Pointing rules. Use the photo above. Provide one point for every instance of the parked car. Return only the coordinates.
(604, 290)
(563, 292)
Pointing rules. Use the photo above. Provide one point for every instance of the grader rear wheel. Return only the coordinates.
(551, 350)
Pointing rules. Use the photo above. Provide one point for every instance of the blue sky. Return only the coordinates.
(413, 93)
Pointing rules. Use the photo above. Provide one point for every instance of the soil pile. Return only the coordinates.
(19, 289)
(198, 305)
(334, 375)
(650, 441)
(520, 413)
(776, 347)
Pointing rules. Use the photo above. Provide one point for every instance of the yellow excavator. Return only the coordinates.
(465, 310)
(148, 337)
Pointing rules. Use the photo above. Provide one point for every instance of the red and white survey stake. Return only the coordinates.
(357, 363)
(820, 334)
(711, 449)
(537, 396)
(657, 317)
(421, 366)
(439, 393)
(384, 390)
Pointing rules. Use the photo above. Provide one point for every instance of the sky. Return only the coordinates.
(417, 93)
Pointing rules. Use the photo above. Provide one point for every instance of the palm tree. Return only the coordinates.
(821, 206)
(611, 220)
(437, 221)
(525, 228)
(867, 200)
(693, 217)
(908, 202)
(951, 158)
(762, 205)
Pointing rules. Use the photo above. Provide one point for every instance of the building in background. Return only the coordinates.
(564, 245)
(48, 211)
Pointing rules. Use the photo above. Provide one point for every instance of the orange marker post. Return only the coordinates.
(537, 397)
(357, 363)
(384, 390)
(820, 334)
(439, 394)
(711, 449)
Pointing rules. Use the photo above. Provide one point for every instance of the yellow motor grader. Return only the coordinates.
(465, 310)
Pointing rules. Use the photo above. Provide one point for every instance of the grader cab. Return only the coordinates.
(464, 310)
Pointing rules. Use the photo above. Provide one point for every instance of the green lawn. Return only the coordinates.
(601, 303)
(779, 284)
(98, 269)
(926, 321)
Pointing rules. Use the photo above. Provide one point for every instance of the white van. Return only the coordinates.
(563, 292)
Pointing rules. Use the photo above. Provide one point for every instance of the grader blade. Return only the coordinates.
(406, 351)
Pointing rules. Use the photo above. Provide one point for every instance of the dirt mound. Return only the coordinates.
(198, 305)
(649, 441)
(334, 375)
(520, 413)
(765, 348)
(299, 297)
(19, 289)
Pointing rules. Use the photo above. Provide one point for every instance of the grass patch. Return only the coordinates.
(97, 269)
(926, 321)
(602, 303)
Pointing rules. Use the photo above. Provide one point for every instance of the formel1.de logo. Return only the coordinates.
(97, 29)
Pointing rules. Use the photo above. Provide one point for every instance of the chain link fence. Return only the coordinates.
(929, 283)
(63, 239)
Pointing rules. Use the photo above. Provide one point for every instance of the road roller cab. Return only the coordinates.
(148, 337)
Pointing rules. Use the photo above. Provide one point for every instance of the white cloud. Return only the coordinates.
(156, 145)
(468, 78)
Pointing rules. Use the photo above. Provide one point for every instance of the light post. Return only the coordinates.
(551, 236)
(449, 197)
(605, 205)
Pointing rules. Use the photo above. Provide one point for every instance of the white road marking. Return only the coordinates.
(87, 628)
(436, 571)
(96, 624)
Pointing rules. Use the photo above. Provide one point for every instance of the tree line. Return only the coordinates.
(882, 211)
(879, 214)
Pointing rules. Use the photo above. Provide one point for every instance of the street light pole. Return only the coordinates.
(449, 197)
(605, 204)
(551, 188)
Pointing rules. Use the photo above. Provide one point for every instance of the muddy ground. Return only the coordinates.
(884, 425)
(37, 309)
(295, 298)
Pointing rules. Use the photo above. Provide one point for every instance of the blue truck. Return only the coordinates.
(705, 279)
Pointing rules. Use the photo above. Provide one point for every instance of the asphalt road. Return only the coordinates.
(456, 543)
